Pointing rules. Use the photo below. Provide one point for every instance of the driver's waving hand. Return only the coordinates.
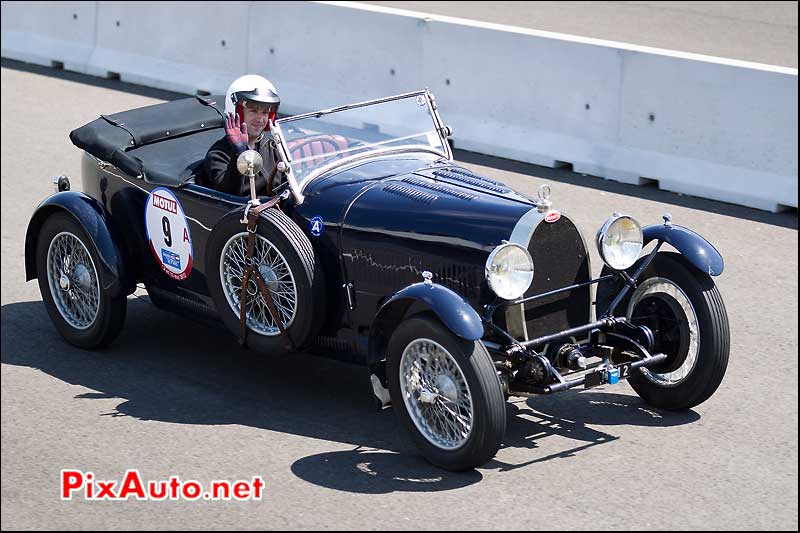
(251, 103)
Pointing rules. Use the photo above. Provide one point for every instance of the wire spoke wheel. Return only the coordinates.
(277, 276)
(81, 289)
(292, 274)
(436, 394)
(446, 393)
(73, 282)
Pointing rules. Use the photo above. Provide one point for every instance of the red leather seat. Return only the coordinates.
(317, 148)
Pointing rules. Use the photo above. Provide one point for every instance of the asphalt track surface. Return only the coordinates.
(177, 397)
(761, 32)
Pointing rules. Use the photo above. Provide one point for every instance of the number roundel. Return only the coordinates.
(168, 233)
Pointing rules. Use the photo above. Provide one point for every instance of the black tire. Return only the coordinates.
(79, 330)
(656, 304)
(283, 235)
(488, 413)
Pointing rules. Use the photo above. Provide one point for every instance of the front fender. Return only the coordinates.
(94, 220)
(454, 312)
(698, 251)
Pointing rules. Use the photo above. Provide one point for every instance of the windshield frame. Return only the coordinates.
(285, 155)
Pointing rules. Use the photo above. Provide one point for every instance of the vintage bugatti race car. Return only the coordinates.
(454, 290)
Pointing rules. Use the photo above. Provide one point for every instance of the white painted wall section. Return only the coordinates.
(709, 127)
(47, 32)
(323, 56)
(178, 46)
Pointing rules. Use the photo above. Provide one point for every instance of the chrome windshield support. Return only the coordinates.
(286, 159)
(443, 130)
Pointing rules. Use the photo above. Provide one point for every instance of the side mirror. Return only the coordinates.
(249, 164)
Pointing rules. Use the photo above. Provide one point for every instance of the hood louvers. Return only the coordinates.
(443, 189)
(411, 194)
(471, 179)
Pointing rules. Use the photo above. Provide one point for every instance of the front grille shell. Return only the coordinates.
(560, 259)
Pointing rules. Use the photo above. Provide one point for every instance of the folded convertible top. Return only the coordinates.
(115, 138)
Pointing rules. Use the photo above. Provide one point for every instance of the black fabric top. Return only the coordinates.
(164, 143)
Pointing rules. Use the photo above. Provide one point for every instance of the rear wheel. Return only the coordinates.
(446, 393)
(684, 309)
(72, 286)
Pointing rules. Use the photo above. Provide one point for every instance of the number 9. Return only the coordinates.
(167, 231)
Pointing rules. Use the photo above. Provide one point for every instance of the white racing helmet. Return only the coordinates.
(251, 88)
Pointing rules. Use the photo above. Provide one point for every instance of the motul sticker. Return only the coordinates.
(552, 216)
(168, 233)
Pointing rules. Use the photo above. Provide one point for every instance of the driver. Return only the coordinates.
(251, 103)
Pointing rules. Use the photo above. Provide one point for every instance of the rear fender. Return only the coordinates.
(95, 221)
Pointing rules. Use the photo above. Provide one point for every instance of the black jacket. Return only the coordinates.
(221, 172)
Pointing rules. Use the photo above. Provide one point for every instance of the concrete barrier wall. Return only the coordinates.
(47, 32)
(713, 128)
(710, 130)
(178, 46)
(322, 56)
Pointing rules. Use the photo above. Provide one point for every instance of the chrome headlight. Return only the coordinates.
(509, 271)
(619, 241)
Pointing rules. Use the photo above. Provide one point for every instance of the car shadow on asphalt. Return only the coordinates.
(574, 415)
(170, 369)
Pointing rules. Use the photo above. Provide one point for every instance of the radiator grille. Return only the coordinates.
(560, 259)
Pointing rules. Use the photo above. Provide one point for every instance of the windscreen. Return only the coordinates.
(316, 141)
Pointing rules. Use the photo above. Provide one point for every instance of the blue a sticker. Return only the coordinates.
(171, 259)
(316, 226)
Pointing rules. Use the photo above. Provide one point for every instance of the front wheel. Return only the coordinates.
(684, 309)
(446, 393)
